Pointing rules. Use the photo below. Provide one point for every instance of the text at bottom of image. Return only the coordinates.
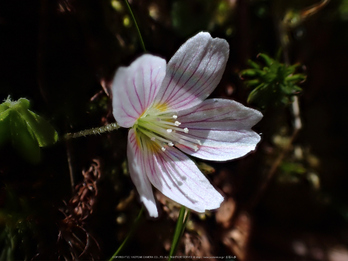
(231, 258)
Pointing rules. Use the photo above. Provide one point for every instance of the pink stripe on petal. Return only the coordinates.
(179, 82)
(171, 77)
(135, 87)
(219, 114)
(221, 145)
(222, 126)
(180, 180)
(136, 163)
(197, 92)
(193, 72)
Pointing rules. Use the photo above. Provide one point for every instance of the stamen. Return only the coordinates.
(164, 130)
(154, 137)
(188, 144)
(161, 125)
(182, 138)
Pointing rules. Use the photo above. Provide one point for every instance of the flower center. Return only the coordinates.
(164, 130)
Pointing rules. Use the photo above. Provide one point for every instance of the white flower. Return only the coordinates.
(165, 108)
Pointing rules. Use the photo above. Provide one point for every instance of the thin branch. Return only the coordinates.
(71, 170)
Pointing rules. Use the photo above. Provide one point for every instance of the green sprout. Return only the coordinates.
(274, 84)
(26, 130)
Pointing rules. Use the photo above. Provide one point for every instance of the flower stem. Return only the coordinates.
(93, 131)
(179, 229)
(135, 225)
(136, 25)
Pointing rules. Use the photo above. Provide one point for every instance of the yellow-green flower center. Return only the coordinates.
(164, 130)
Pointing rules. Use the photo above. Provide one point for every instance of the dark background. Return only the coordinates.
(61, 55)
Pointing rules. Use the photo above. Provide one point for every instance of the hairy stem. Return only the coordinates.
(93, 131)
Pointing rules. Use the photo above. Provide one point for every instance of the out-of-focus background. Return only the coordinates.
(286, 201)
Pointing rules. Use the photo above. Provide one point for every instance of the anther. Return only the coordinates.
(171, 144)
(163, 148)
(169, 130)
(177, 123)
(175, 116)
(186, 130)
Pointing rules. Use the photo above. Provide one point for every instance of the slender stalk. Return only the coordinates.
(93, 131)
(136, 25)
(71, 170)
(130, 233)
(179, 230)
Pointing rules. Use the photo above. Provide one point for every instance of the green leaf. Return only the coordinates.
(291, 69)
(252, 82)
(23, 140)
(27, 130)
(4, 125)
(251, 72)
(253, 64)
(268, 60)
(44, 133)
(273, 85)
(296, 77)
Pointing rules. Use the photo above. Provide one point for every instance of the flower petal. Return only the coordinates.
(135, 87)
(193, 72)
(223, 127)
(178, 178)
(137, 169)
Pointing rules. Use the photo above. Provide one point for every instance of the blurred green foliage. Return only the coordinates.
(343, 10)
(17, 229)
(190, 17)
(25, 129)
(273, 84)
(184, 22)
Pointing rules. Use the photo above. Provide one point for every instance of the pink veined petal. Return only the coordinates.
(222, 145)
(137, 169)
(178, 178)
(223, 127)
(135, 87)
(193, 72)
